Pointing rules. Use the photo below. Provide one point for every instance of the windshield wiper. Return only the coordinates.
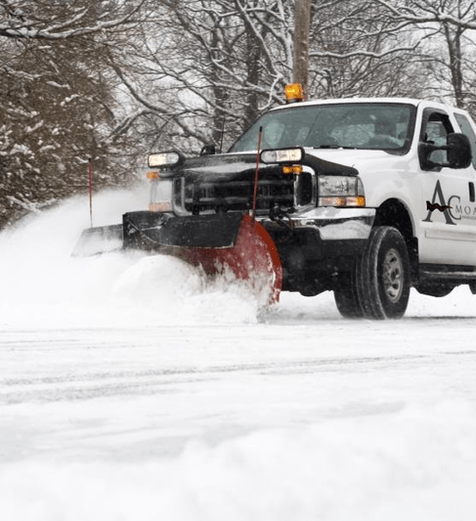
(335, 147)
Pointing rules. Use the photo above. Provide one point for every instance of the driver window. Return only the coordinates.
(436, 128)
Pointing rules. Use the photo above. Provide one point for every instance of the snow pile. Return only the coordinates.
(43, 286)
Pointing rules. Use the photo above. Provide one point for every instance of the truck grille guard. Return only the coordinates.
(196, 197)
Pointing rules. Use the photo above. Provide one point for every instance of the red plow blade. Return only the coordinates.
(219, 244)
(253, 258)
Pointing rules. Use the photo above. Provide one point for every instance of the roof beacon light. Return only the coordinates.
(293, 92)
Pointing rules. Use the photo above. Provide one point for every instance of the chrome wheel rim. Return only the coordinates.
(393, 276)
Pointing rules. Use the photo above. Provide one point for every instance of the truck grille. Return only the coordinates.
(212, 196)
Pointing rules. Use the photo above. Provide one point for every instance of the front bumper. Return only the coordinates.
(316, 244)
(336, 224)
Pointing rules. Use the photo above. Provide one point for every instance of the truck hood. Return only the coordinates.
(225, 167)
(361, 160)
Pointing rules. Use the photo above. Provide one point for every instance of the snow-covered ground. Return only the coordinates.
(131, 391)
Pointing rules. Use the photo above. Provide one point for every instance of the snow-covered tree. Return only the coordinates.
(204, 69)
(114, 79)
(205, 65)
(447, 29)
(56, 98)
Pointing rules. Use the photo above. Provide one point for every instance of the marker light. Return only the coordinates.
(292, 169)
(160, 207)
(293, 92)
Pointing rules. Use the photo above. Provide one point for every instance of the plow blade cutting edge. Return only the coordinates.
(217, 243)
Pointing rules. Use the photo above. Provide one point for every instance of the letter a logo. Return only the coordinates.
(438, 195)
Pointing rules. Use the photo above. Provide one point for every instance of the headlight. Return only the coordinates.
(161, 196)
(163, 159)
(339, 190)
(283, 155)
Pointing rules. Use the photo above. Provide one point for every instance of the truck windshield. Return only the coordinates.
(376, 126)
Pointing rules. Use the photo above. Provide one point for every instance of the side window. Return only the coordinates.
(468, 131)
(436, 126)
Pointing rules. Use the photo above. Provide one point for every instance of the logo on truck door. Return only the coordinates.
(438, 202)
(436, 206)
(452, 209)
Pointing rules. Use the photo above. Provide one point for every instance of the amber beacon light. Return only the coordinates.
(293, 92)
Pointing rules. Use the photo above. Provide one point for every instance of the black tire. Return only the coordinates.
(346, 296)
(383, 275)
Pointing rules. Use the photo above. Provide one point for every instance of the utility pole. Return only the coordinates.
(302, 27)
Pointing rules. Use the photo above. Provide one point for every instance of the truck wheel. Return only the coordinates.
(346, 297)
(383, 275)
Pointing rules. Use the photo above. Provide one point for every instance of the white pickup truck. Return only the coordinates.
(402, 214)
(363, 197)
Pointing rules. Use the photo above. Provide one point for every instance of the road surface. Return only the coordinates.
(131, 391)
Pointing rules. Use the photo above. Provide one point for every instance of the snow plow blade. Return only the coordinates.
(218, 243)
(253, 257)
(102, 239)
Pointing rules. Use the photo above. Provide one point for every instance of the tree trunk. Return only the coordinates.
(302, 25)
(453, 39)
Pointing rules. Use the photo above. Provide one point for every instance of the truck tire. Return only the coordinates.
(383, 275)
(346, 297)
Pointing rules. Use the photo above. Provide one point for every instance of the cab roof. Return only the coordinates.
(408, 101)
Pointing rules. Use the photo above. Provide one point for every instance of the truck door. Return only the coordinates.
(448, 221)
(467, 128)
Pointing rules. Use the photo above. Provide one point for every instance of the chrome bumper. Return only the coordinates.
(337, 223)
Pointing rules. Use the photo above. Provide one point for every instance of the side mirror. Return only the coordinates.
(208, 150)
(458, 153)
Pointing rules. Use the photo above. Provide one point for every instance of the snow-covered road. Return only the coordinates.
(129, 391)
